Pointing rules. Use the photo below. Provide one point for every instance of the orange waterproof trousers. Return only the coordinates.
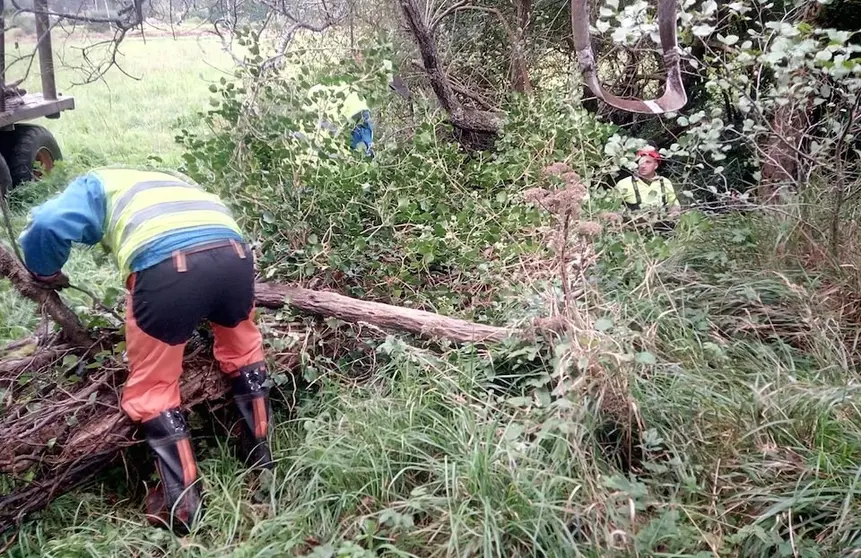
(166, 302)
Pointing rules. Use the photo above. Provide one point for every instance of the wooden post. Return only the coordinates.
(46, 58)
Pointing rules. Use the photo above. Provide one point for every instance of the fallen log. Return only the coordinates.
(334, 305)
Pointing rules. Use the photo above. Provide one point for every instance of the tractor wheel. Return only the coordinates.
(26, 146)
(5, 178)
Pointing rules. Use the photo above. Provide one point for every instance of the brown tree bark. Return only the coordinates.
(74, 433)
(418, 322)
(469, 121)
(14, 365)
(273, 296)
(781, 149)
(519, 69)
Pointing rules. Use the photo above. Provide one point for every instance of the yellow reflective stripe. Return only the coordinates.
(172, 223)
(126, 197)
(118, 181)
(167, 224)
(650, 193)
(143, 206)
(626, 188)
(122, 179)
(158, 210)
(147, 198)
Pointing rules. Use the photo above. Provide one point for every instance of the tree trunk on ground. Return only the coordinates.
(418, 322)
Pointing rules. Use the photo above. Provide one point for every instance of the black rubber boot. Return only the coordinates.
(251, 398)
(176, 504)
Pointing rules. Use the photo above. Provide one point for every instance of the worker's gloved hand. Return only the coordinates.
(56, 281)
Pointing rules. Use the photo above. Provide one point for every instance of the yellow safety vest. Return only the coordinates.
(142, 205)
(658, 192)
(347, 108)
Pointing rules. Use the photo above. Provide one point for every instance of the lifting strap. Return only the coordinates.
(674, 97)
(635, 181)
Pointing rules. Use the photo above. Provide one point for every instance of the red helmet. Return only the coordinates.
(649, 151)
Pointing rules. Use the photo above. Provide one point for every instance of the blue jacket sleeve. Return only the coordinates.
(363, 133)
(76, 215)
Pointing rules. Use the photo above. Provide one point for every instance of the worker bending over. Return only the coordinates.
(183, 259)
(647, 190)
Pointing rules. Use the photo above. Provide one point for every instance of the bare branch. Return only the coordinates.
(123, 24)
(519, 71)
(463, 90)
(472, 120)
(438, 18)
(316, 17)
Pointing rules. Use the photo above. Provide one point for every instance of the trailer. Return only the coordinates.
(29, 151)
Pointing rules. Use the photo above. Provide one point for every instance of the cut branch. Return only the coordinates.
(520, 81)
(65, 452)
(72, 328)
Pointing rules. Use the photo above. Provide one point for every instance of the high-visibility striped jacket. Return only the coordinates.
(339, 105)
(640, 194)
(141, 217)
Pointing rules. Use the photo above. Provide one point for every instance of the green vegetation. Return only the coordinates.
(694, 395)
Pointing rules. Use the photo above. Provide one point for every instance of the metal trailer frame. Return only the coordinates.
(30, 106)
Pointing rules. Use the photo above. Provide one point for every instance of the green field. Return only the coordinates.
(119, 119)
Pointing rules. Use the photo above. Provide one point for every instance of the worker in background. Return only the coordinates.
(356, 111)
(342, 106)
(183, 259)
(646, 192)
(352, 112)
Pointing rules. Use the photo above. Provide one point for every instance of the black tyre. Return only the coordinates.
(26, 146)
(5, 179)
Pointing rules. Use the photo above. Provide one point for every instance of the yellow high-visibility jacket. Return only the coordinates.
(640, 194)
